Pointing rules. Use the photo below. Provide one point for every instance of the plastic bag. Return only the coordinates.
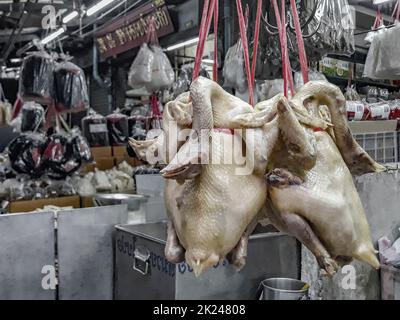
(101, 182)
(36, 82)
(5, 109)
(332, 28)
(33, 117)
(84, 186)
(233, 71)
(118, 129)
(71, 92)
(95, 130)
(184, 80)
(25, 153)
(383, 60)
(138, 127)
(313, 76)
(162, 74)
(140, 72)
(351, 94)
(80, 146)
(271, 88)
(59, 158)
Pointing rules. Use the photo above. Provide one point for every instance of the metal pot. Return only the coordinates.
(284, 289)
(132, 200)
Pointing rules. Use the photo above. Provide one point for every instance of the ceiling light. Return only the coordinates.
(16, 60)
(376, 2)
(53, 36)
(70, 16)
(183, 44)
(97, 7)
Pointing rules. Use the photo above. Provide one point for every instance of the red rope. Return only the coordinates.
(256, 38)
(396, 11)
(300, 42)
(243, 36)
(204, 28)
(216, 15)
(286, 69)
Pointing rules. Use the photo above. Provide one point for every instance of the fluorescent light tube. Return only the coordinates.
(53, 36)
(97, 7)
(69, 17)
(183, 44)
(376, 2)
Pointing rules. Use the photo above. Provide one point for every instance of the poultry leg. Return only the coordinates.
(174, 251)
(297, 226)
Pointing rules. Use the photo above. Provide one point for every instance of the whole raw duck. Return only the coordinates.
(213, 209)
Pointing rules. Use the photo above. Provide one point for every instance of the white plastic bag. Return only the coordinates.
(162, 74)
(140, 72)
(313, 75)
(233, 71)
(383, 60)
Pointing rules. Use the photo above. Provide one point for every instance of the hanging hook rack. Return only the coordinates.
(273, 31)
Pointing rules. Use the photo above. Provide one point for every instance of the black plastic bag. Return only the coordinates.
(95, 130)
(118, 130)
(32, 117)
(71, 92)
(36, 82)
(25, 153)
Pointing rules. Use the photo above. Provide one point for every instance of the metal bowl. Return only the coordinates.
(132, 200)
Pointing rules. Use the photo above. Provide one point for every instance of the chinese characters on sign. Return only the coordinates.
(131, 31)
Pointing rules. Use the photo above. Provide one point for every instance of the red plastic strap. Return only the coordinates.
(216, 15)
(300, 42)
(396, 11)
(286, 69)
(205, 25)
(243, 36)
(152, 33)
(256, 38)
(154, 106)
(17, 107)
(378, 20)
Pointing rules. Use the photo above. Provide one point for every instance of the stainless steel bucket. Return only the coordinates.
(132, 200)
(284, 289)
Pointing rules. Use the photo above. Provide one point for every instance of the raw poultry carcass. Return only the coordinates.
(212, 208)
(320, 205)
(208, 218)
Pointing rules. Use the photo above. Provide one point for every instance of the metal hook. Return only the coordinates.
(308, 21)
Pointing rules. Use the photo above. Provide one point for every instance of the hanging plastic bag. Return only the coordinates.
(118, 129)
(140, 73)
(5, 109)
(59, 158)
(25, 153)
(36, 82)
(162, 74)
(313, 76)
(233, 71)
(32, 117)
(80, 146)
(95, 130)
(71, 92)
(332, 28)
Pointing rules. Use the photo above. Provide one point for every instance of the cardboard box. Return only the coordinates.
(120, 151)
(104, 163)
(101, 152)
(131, 161)
(32, 205)
(87, 202)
